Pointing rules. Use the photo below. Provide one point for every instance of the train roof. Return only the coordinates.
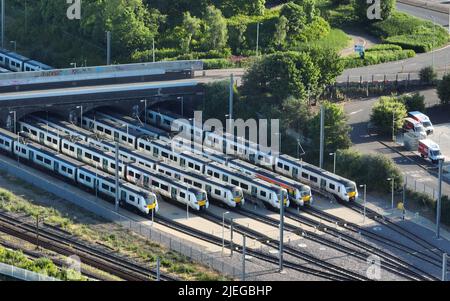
(96, 149)
(7, 134)
(39, 64)
(33, 122)
(68, 126)
(116, 125)
(17, 56)
(174, 182)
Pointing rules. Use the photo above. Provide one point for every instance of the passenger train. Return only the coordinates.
(78, 173)
(309, 174)
(18, 63)
(160, 150)
(105, 161)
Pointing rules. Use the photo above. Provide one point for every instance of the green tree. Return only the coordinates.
(362, 8)
(427, 75)
(240, 7)
(297, 18)
(190, 27)
(216, 32)
(281, 30)
(385, 111)
(328, 61)
(443, 89)
(337, 131)
(281, 75)
(413, 102)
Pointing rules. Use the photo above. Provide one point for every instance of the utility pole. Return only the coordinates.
(243, 257)
(230, 106)
(444, 267)
(439, 202)
(257, 39)
(117, 177)
(393, 126)
(281, 233)
(153, 42)
(158, 267)
(3, 24)
(231, 237)
(322, 135)
(108, 48)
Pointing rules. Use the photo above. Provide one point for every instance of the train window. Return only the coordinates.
(141, 145)
(96, 159)
(217, 191)
(245, 186)
(55, 141)
(69, 171)
(286, 167)
(197, 167)
(131, 173)
(113, 190)
(130, 140)
(314, 179)
(225, 178)
(138, 176)
(33, 132)
(113, 166)
(332, 186)
(131, 198)
(147, 147)
(305, 175)
(108, 132)
(165, 155)
(198, 185)
(88, 155)
(2, 141)
(234, 182)
(209, 172)
(47, 161)
(63, 168)
(100, 129)
(182, 194)
(7, 143)
(88, 179)
(81, 176)
(154, 183)
(49, 139)
(124, 138)
(188, 181)
(216, 175)
(105, 187)
(280, 165)
(72, 149)
(39, 158)
(263, 194)
(191, 165)
(24, 151)
(165, 187)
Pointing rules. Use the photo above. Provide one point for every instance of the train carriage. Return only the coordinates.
(195, 198)
(7, 139)
(41, 133)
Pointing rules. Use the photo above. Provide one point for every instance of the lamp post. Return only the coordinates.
(15, 45)
(81, 115)
(223, 230)
(334, 161)
(14, 120)
(182, 104)
(393, 187)
(73, 65)
(365, 200)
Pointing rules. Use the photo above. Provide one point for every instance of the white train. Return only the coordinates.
(78, 173)
(309, 174)
(16, 62)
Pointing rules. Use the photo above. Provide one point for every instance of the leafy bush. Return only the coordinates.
(443, 89)
(379, 54)
(384, 111)
(413, 102)
(217, 64)
(427, 75)
(410, 32)
(373, 170)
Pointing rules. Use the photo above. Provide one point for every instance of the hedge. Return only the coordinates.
(377, 55)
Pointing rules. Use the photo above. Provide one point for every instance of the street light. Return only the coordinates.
(15, 115)
(81, 115)
(393, 186)
(223, 230)
(182, 104)
(15, 45)
(145, 109)
(334, 159)
(74, 65)
(365, 200)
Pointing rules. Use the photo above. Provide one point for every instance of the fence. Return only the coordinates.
(197, 253)
(22, 274)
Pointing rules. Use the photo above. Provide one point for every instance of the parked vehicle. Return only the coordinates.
(424, 120)
(413, 126)
(428, 149)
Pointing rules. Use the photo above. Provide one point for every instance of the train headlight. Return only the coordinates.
(237, 200)
(151, 206)
(306, 198)
(202, 203)
(352, 194)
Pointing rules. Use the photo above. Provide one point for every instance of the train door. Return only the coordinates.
(56, 166)
(295, 172)
(41, 138)
(7, 63)
(116, 136)
(323, 184)
(254, 191)
(146, 181)
(105, 164)
(123, 196)
(252, 158)
(173, 193)
(158, 120)
(79, 154)
(182, 162)
(30, 155)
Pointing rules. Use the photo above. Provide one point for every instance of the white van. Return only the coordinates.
(424, 120)
(413, 126)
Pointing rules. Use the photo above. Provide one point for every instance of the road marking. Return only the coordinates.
(355, 112)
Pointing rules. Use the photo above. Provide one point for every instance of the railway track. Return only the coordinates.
(257, 254)
(390, 263)
(67, 246)
(419, 254)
